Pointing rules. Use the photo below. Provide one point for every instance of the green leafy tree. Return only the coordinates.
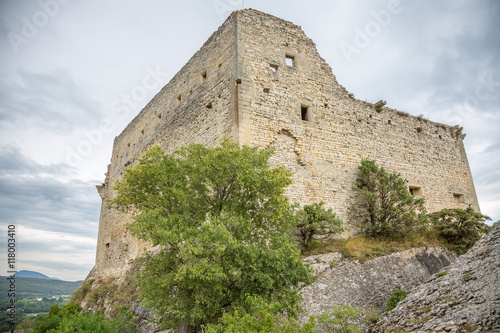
(383, 206)
(258, 316)
(460, 227)
(221, 226)
(315, 220)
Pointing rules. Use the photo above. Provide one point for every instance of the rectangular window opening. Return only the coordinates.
(415, 190)
(459, 197)
(266, 90)
(273, 68)
(290, 60)
(304, 113)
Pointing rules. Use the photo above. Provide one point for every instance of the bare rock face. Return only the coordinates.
(464, 297)
(369, 285)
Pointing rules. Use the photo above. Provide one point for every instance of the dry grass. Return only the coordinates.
(364, 248)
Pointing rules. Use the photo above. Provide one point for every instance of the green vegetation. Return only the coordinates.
(383, 206)
(313, 220)
(258, 316)
(33, 296)
(339, 321)
(443, 273)
(397, 295)
(461, 228)
(223, 227)
(71, 318)
(372, 315)
(362, 248)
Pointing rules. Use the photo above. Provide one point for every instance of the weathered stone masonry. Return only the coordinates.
(260, 80)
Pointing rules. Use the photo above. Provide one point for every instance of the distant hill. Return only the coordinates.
(33, 275)
(27, 287)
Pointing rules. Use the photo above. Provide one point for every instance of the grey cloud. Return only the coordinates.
(56, 101)
(15, 163)
(36, 196)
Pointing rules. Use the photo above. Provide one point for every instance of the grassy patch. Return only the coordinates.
(424, 308)
(79, 294)
(447, 299)
(372, 315)
(443, 273)
(364, 248)
(418, 320)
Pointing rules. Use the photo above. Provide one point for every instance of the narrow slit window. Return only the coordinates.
(459, 197)
(304, 113)
(266, 90)
(290, 60)
(203, 77)
(415, 190)
(178, 100)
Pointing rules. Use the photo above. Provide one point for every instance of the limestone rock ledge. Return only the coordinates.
(465, 297)
(368, 285)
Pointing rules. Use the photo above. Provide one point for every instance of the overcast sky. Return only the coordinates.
(67, 67)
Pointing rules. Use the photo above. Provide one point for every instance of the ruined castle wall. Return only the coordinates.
(261, 81)
(197, 105)
(324, 150)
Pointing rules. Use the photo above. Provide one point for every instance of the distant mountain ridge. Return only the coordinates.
(34, 275)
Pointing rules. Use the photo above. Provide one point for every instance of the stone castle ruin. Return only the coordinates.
(260, 81)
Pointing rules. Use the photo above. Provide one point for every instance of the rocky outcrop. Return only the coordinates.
(464, 297)
(368, 285)
(146, 320)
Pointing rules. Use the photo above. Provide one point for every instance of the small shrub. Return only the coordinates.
(378, 109)
(419, 129)
(466, 277)
(339, 321)
(442, 273)
(372, 315)
(71, 318)
(461, 228)
(315, 220)
(397, 295)
(258, 316)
